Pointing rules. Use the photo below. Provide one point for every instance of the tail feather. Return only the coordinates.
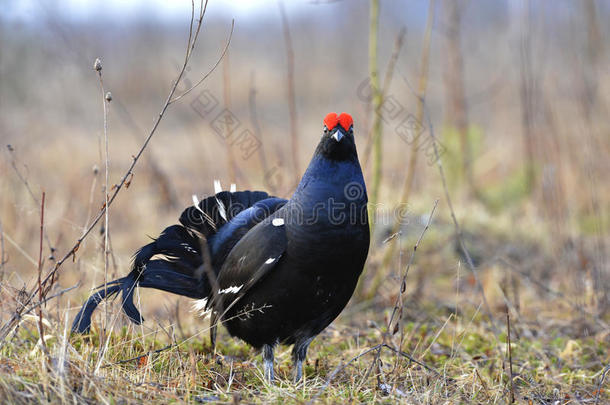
(215, 211)
(172, 261)
(178, 245)
(82, 322)
(159, 274)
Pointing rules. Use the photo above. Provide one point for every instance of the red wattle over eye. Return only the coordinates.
(346, 121)
(332, 120)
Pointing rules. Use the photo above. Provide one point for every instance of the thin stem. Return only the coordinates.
(510, 357)
(403, 281)
(106, 176)
(40, 323)
(601, 383)
(224, 51)
(387, 80)
(25, 182)
(291, 93)
(377, 100)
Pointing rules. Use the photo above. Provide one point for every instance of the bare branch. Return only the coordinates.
(601, 383)
(105, 100)
(291, 93)
(224, 51)
(43, 344)
(26, 183)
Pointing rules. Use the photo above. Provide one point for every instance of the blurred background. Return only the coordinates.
(516, 92)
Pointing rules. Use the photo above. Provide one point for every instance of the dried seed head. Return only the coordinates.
(108, 96)
(97, 65)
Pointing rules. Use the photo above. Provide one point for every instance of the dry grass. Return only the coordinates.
(559, 346)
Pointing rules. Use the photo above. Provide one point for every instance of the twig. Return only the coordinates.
(601, 383)
(50, 297)
(403, 281)
(105, 99)
(25, 182)
(40, 324)
(224, 51)
(390, 329)
(21, 250)
(388, 332)
(387, 80)
(376, 102)
(338, 369)
(47, 282)
(510, 357)
(424, 365)
(291, 93)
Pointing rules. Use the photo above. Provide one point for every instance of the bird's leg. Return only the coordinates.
(213, 330)
(299, 352)
(268, 362)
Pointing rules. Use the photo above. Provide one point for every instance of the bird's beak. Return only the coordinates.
(338, 135)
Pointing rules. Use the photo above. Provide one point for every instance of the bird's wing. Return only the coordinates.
(251, 259)
(223, 241)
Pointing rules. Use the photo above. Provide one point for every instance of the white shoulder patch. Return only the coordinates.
(217, 187)
(233, 188)
(278, 221)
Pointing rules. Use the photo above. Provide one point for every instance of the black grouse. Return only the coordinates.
(279, 271)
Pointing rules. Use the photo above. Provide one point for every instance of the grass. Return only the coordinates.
(471, 362)
(559, 348)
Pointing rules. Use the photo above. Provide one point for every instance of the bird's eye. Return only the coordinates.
(325, 129)
(351, 130)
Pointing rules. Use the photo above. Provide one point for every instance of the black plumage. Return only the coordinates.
(282, 270)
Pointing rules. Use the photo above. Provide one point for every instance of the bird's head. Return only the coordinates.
(337, 141)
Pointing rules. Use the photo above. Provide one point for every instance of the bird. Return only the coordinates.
(271, 270)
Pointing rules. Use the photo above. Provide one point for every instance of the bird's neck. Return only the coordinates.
(326, 177)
